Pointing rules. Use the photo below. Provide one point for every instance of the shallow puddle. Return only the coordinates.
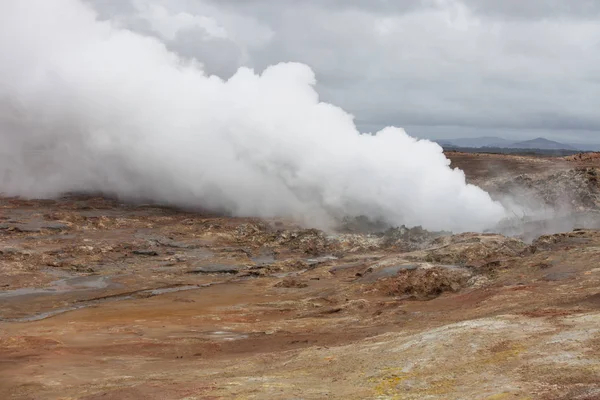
(64, 286)
(95, 302)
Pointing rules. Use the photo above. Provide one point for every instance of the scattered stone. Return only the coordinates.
(478, 281)
(291, 283)
(82, 268)
(356, 305)
(308, 241)
(288, 266)
(372, 275)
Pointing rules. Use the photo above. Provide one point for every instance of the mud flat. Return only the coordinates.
(102, 300)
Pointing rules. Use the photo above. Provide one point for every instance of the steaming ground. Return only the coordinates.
(88, 106)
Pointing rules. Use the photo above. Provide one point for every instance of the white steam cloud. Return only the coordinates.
(88, 106)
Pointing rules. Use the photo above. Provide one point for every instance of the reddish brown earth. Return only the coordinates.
(101, 300)
(482, 166)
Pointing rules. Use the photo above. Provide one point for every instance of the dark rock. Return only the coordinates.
(558, 276)
(345, 267)
(28, 228)
(591, 301)
(486, 266)
(410, 238)
(174, 244)
(264, 259)
(37, 227)
(14, 251)
(543, 265)
(148, 253)
(362, 224)
(180, 300)
(55, 226)
(216, 269)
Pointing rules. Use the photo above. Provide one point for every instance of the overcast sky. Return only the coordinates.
(439, 68)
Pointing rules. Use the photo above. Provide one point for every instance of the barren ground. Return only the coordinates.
(102, 300)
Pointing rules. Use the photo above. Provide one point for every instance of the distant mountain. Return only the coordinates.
(540, 143)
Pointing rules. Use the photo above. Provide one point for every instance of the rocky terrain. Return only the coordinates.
(103, 300)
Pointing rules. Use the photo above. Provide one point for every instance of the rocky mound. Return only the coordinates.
(595, 156)
(575, 189)
(470, 249)
(425, 282)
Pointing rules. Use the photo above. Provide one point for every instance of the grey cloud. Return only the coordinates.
(521, 9)
(225, 55)
(537, 8)
(110, 8)
(485, 64)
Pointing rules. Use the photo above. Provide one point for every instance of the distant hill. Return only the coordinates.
(486, 141)
(585, 146)
(540, 143)
(497, 142)
(504, 150)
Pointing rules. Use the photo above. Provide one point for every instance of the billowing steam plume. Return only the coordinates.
(88, 106)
